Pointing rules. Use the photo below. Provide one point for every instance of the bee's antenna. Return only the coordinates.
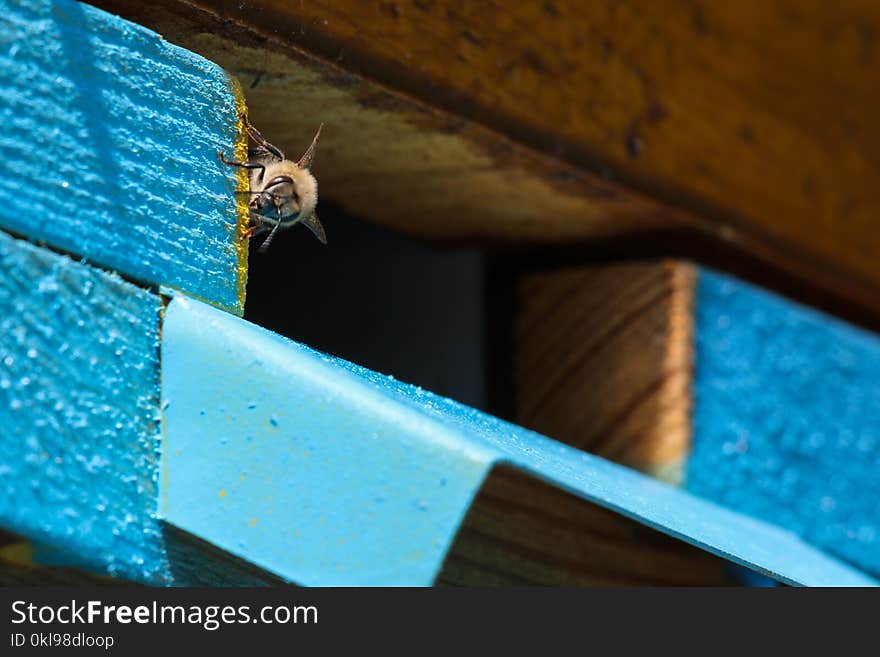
(266, 242)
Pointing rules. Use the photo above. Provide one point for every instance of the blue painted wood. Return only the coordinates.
(308, 466)
(787, 417)
(79, 411)
(327, 473)
(109, 148)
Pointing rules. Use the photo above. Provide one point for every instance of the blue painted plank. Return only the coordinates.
(109, 148)
(787, 417)
(79, 411)
(327, 473)
(307, 466)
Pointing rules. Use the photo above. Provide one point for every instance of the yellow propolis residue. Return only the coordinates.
(241, 154)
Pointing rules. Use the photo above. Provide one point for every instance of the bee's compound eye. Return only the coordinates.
(281, 188)
(262, 201)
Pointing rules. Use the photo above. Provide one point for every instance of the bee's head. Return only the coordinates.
(289, 195)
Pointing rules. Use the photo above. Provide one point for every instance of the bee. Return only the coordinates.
(284, 193)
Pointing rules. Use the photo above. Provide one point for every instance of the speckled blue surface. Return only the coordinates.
(109, 147)
(79, 407)
(327, 473)
(787, 417)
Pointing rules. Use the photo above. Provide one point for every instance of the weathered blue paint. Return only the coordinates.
(787, 417)
(327, 473)
(109, 148)
(79, 411)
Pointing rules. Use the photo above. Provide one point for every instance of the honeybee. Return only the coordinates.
(284, 193)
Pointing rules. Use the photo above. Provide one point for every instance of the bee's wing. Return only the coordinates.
(314, 224)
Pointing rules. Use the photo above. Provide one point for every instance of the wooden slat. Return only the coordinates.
(79, 410)
(80, 469)
(521, 531)
(81, 419)
(602, 360)
(109, 149)
(405, 466)
(195, 562)
(786, 410)
(757, 117)
(776, 416)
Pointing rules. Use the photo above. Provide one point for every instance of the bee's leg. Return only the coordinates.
(256, 223)
(259, 138)
(246, 235)
(244, 165)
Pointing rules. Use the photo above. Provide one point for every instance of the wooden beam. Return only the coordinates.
(110, 155)
(602, 360)
(405, 467)
(393, 159)
(79, 410)
(195, 562)
(736, 394)
(521, 531)
(754, 120)
(86, 406)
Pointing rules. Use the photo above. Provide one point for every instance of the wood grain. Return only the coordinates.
(602, 360)
(109, 150)
(756, 117)
(196, 562)
(521, 531)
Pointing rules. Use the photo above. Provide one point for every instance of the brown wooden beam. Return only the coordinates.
(602, 360)
(751, 123)
(523, 532)
(386, 157)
